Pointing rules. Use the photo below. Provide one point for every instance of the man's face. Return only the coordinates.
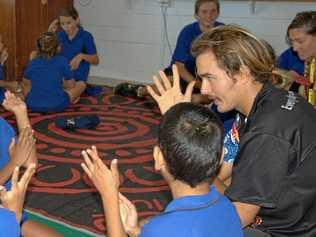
(207, 14)
(303, 44)
(216, 84)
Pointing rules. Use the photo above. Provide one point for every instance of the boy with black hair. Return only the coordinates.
(188, 156)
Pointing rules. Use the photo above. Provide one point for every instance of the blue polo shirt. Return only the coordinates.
(8, 224)
(289, 60)
(46, 76)
(2, 90)
(182, 52)
(83, 42)
(196, 216)
(7, 133)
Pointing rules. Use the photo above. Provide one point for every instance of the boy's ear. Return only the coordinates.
(158, 158)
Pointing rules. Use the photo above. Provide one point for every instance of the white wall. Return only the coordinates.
(128, 33)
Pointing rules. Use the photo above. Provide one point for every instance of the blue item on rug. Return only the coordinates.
(77, 122)
(93, 90)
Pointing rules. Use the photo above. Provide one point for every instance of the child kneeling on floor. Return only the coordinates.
(188, 156)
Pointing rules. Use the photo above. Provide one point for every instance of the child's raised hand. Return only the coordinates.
(13, 103)
(21, 150)
(105, 180)
(53, 27)
(169, 95)
(14, 199)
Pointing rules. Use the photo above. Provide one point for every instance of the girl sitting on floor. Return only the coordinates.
(48, 84)
(77, 44)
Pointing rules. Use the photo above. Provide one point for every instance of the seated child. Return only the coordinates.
(20, 151)
(77, 44)
(48, 83)
(188, 156)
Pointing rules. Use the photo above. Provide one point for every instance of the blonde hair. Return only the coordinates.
(47, 45)
(234, 47)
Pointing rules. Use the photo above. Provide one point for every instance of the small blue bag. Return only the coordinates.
(77, 122)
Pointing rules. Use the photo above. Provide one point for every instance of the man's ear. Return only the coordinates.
(158, 158)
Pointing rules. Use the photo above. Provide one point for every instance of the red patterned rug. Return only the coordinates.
(127, 131)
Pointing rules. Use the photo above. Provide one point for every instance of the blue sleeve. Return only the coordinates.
(283, 60)
(182, 51)
(28, 71)
(290, 61)
(7, 133)
(8, 225)
(89, 45)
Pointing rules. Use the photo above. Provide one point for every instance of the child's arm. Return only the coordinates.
(18, 108)
(107, 182)
(92, 59)
(26, 86)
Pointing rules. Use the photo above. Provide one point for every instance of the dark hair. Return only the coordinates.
(198, 3)
(191, 140)
(235, 47)
(47, 45)
(303, 20)
(69, 12)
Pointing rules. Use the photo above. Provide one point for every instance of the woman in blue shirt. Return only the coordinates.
(48, 83)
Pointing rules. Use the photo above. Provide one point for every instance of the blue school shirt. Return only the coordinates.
(206, 215)
(289, 60)
(9, 226)
(46, 76)
(182, 52)
(7, 134)
(83, 42)
(2, 90)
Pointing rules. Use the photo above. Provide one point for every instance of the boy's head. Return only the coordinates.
(190, 141)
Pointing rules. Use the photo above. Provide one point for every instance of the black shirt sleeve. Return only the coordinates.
(259, 169)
